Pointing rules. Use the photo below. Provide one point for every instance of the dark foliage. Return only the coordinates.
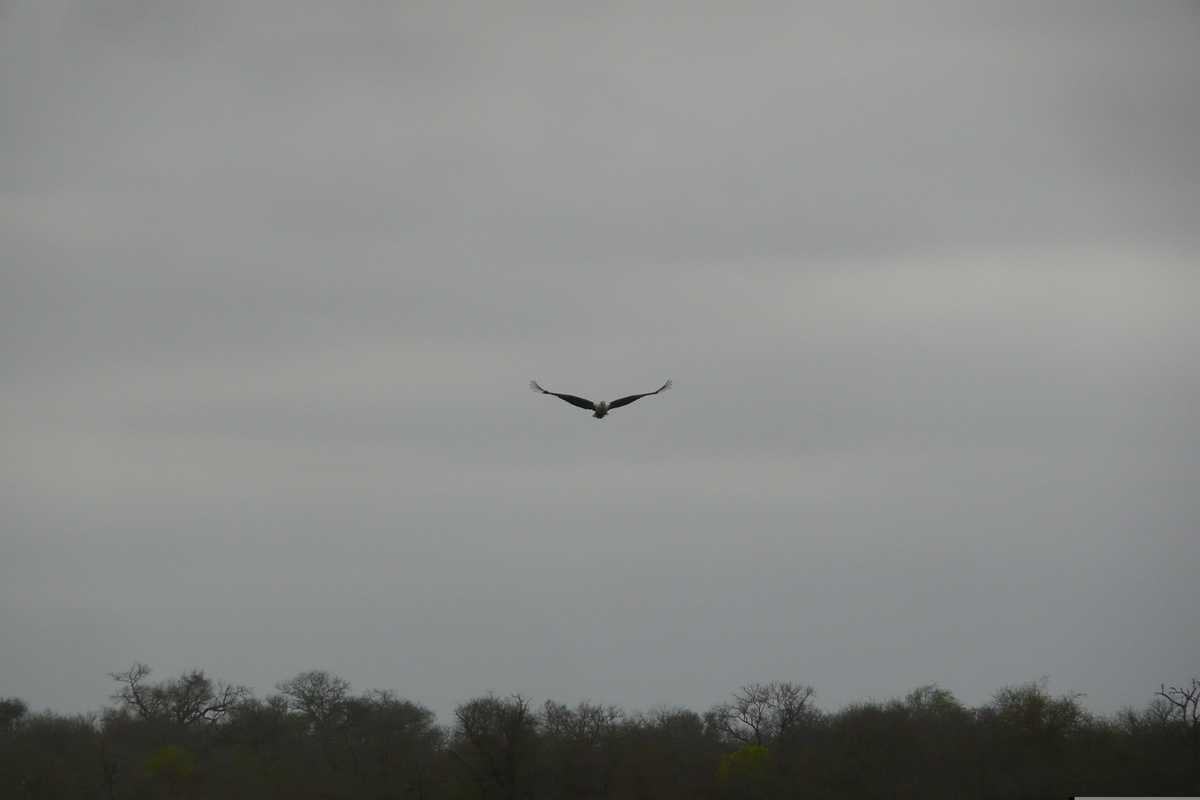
(190, 737)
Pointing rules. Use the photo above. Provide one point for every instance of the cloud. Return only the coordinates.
(276, 277)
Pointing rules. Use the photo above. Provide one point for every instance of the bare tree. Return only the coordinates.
(578, 747)
(763, 713)
(192, 700)
(494, 743)
(319, 696)
(585, 724)
(1182, 706)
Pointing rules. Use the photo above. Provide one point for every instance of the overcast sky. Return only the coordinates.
(274, 277)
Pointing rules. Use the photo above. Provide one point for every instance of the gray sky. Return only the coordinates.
(275, 277)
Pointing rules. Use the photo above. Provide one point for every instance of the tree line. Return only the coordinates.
(193, 737)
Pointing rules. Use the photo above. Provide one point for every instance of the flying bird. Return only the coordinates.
(601, 408)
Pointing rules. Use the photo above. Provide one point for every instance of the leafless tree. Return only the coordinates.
(578, 747)
(192, 700)
(1184, 703)
(765, 713)
(494, 742)
(584, 724)
(319, 696)
(1182, 706)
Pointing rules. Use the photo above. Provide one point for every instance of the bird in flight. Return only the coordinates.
(601, 408)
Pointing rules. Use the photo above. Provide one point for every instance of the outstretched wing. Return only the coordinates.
(624, 401)
(570, 398)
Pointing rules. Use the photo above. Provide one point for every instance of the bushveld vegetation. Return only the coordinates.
(192, 737)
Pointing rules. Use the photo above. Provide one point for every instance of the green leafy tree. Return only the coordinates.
(1028, 733)
(745, 772)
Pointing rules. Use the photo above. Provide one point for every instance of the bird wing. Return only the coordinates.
(570, 398)
(624, 401)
